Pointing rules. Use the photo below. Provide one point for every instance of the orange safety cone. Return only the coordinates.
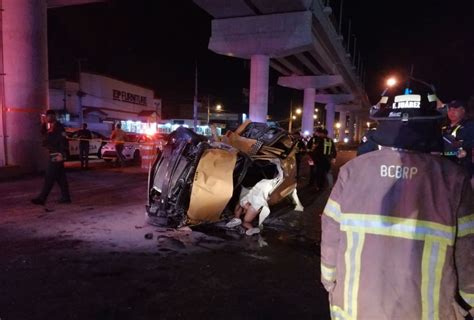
(148, 153)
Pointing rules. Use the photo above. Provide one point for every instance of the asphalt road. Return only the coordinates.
(92, 260)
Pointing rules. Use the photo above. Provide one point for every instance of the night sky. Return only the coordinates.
(157, 43)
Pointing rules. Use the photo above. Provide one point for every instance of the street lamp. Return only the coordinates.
(390, 83)
(218, 108)
(298, 111)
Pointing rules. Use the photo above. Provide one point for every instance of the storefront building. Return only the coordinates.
(101, 102)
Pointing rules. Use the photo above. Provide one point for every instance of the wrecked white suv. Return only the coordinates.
(197, 180)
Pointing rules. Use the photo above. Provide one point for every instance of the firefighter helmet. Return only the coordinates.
(409, 121)
(407, 107)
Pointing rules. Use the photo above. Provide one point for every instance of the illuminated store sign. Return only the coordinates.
(129, 97)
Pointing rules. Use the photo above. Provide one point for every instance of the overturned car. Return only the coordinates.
(199, 180)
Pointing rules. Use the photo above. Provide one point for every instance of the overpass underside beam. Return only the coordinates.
(276, 35)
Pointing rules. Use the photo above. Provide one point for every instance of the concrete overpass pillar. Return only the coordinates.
(343, 122)
(25, 59)
(259, 71)
(351, 126)
(330, 112)
(359, 128)
(309, 84)
(307, 122)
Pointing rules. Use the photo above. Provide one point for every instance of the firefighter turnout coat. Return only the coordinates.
(398, 238)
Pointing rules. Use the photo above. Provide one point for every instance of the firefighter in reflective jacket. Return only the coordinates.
(459, 136)
(398, 228)
(323, 153)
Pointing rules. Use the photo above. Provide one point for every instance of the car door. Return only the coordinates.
(95, 143)
(73, 144)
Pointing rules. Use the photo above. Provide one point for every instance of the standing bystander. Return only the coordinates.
(118, 137)
(84, 136)
(54, 139)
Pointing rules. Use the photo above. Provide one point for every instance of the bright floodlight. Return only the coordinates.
(298, 111)
(338, 125)
(315, 116)
(391, 82)
(294, 117)
(218, 107)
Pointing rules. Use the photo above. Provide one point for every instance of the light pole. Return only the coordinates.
(218, 108)
(390, 83)
(293, 117)
(290, 122)
(80, 93)
(208, 108)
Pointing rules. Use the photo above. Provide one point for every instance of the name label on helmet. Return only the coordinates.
(407, 101)
(398, 172)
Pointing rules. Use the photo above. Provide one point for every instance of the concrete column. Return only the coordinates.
(342, 121)
(307, 121)
(26, 78)
(330, 112)
(259, 70)
(351, 126)
(359, 128)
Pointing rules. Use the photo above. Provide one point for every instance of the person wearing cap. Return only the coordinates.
(54, 139)
(398, 228)
(459, 135)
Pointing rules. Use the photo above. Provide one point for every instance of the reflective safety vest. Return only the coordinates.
(398, 238)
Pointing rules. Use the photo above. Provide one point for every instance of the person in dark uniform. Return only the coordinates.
(85, 136)
(323, 153)
(301, 151)
(54, 139)
(458, 136)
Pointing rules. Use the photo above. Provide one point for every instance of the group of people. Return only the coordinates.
(398, 228)
(55, 141)
(322, 152)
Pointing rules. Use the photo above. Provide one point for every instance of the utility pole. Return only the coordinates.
(355, 48)
(3, 113)
(208, 108)
(340, 17)
(349, 37)
(195, 103)
(80, 93)
(290, 123)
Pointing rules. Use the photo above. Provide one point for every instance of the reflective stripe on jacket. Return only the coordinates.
(396, 228)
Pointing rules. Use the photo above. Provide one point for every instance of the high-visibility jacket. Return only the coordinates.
(398, 238)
